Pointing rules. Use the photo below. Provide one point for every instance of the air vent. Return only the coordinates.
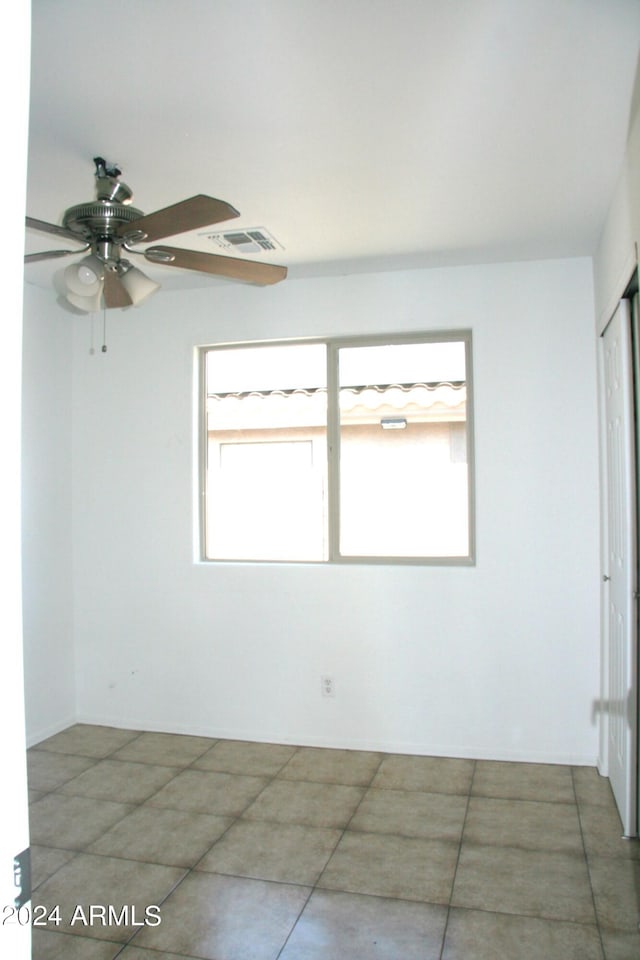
(251, 240)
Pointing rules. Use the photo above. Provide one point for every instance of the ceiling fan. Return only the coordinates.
(110, 226)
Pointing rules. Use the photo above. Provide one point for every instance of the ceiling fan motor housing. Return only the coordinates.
(100, 221)
(101, 218)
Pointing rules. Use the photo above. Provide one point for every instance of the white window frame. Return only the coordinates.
(334, 345)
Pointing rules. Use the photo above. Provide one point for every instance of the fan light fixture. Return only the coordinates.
(85, 280)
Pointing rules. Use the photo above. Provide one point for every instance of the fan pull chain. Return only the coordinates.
(104, 329)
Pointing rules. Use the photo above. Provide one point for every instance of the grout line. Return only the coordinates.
(238, 817)
(455, 870)
(192, 869)
(365, 790)
(586, 861)
(314, 886)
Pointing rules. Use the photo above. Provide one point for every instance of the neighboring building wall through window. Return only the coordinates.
(339, 450)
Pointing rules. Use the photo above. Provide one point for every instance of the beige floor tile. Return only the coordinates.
(619, 945)
(50, 945)
(239, 756)
(523, 781)
(602, 831)
(527, 882)
(524, 823)
(289, 853)
(387, 866)
(47, 770)
(430, 774)
(165, 749)
(88, 740)
(616, 887)
(92, 884)
(336, 926)
(475, 935)
(201, 791)
(409, 813)
(310, 804)
(72, 822)
(591, 788)
(352, 767)
(119, 780)
(45, 861)
(173, 837)
(226, 918)
(139, 953)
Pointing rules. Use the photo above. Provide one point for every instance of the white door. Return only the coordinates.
(620, 575)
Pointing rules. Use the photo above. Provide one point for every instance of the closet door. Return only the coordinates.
(621, 572)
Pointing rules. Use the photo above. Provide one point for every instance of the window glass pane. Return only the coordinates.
(403, 363)
(403, 466)
(277, 367)
(396, 482)
(266, 453)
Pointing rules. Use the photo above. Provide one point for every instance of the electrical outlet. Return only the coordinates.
(327, 686)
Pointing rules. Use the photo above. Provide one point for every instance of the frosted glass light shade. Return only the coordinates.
(138, 285)
(90, 304)
(85, 278)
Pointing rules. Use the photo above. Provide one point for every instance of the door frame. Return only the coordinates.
(602, 706)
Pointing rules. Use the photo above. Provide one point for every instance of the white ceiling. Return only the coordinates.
(361, 133)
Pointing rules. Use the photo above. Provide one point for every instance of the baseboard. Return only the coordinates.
(424, 749)
(49, 731)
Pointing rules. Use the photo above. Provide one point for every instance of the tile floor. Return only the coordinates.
(249, 851)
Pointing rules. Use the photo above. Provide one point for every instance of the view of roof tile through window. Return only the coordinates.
(378, 387)
(419, 401)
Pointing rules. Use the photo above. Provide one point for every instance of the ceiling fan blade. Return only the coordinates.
(115, 294)
(51, 254)
(250, 271)
(191, 214)
(45, 227)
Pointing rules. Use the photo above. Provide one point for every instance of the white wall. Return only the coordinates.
(499, 660)
(46, 509)
(15, 940)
